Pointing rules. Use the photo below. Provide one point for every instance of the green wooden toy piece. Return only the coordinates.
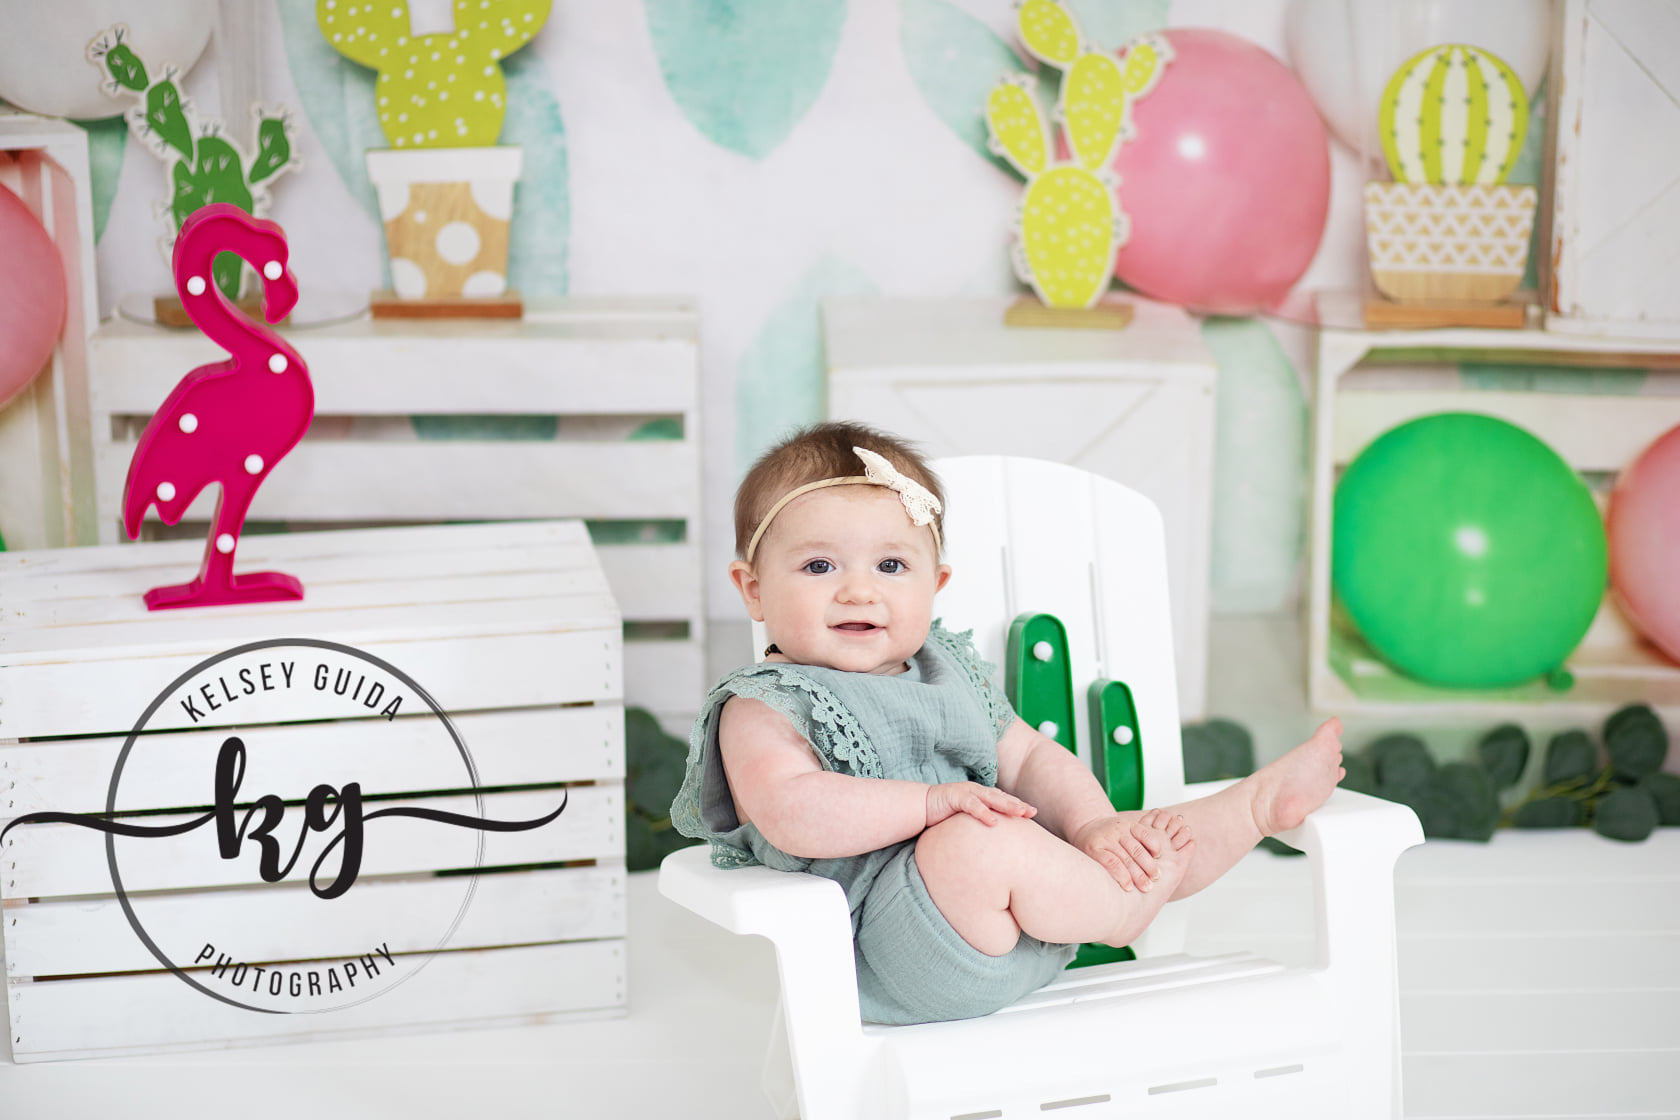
(1116, 748)
(1453, 115)
(1118, 763)
(1038, 678)
(439, 90)
(202, 170)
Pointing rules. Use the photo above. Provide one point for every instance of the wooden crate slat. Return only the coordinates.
(83, 936)
(55, 860)
(1591, 432)
(515, 589)
(401, 578)
(150, 631)
(398, 481)
(406, 755)
(516, 545)
(653, 582)
(355, 371)
(106, 696)
(128, 1014)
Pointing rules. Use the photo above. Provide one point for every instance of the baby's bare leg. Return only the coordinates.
(1274, 798)
(992, 882)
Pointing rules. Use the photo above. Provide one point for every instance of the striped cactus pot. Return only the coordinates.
(1430, 242)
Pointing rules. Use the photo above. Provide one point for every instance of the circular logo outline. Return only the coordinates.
(269, 643)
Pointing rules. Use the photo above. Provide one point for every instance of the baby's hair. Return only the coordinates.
(815, 453)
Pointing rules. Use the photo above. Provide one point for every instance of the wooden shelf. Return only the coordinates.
(1370, 381)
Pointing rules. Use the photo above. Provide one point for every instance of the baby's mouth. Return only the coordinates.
(856, 627)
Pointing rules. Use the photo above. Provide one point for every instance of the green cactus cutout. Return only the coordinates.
(1116, 749)
(1070, 225)
(440, 79)
(1453, 115)
(205, 166)
(1038, 676)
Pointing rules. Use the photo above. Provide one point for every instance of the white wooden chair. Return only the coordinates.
(1167, 1035)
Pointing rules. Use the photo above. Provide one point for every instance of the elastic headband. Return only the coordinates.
(918, 501)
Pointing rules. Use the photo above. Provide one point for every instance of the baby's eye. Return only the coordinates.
(819, 567)
(890, 566)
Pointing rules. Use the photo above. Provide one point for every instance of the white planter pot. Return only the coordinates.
(446, 214)
(1430, 242)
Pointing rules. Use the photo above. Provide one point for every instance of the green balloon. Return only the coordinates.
(1467, 552)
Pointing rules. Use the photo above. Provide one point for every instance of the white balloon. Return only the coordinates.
(43, 49)
(1345, 51)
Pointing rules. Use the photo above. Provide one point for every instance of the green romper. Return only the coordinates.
(938, 722)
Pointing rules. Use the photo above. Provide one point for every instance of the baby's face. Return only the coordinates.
(844, 580)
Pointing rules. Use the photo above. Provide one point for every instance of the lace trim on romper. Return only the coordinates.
(832, 730)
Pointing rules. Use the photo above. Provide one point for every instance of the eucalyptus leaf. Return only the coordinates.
(1665, 794)
(1636, 740)
(1402, 764)
(1549, 812)
(1438, 811)
(1467, 785)
(1361, 775)
(1570, 756)
(1504, 755)
(1236, 748)
(654, 764)
(1201, 753)
(1215, 750)
(1625, 814)
(1278, 847)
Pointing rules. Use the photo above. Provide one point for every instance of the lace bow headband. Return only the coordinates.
(918, 501)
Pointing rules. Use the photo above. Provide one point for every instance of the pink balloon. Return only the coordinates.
(1644, 530)
(1227, 180)
(32, 296)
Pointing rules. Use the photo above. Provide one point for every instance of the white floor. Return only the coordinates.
(1540, 978)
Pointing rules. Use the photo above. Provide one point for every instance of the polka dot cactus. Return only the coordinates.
(440, 77)
(1070, 224)
(1453, 115)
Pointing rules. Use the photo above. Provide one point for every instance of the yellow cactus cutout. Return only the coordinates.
(1070, 225)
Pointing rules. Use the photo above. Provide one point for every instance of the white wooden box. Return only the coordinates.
(46, 460)
(579, 385)
(1370, 381)
(1615, 141)
(1135, 405)
(511, 631)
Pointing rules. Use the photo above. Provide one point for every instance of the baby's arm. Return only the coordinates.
(1072, 804)
(780, 786)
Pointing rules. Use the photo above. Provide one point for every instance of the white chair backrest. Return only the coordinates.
(1027, 536)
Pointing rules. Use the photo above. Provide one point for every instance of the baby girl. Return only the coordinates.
(872, 747)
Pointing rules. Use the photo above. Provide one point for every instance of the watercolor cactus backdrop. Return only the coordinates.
(766, 156)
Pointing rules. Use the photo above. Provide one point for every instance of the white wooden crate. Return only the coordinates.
(510, 628)
(591, 377)
(1614, 222)
(1370, 381)
(1135, 405)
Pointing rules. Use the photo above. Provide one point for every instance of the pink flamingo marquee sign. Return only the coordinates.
(226, 422)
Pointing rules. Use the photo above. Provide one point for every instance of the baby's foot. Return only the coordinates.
(1287, 790)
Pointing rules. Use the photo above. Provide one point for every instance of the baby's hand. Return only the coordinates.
(1128, 849)
(987, 804)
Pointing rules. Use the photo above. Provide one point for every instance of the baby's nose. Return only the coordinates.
(858, 587)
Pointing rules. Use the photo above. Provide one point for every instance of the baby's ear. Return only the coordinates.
(943, 578)
(741, 575)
